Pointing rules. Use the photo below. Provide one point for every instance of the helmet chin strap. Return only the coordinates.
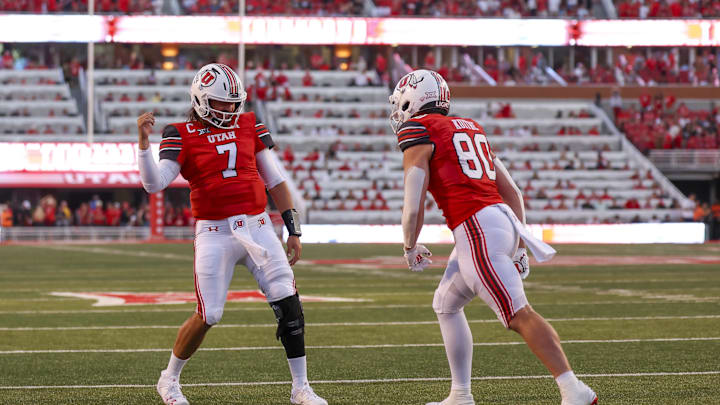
(224, 119)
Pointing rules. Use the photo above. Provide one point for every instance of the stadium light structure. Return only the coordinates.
(357, 31)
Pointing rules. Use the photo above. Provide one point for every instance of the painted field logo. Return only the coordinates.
(104, 299)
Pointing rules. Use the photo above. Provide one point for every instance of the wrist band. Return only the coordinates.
(292, 222)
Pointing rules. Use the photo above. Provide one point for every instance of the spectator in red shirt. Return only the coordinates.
(632, 203)
(307, 80)
(281, 79)
(429, 62)
(380, 64)
(112, 215)
(645, 100)
(316, 61)
(313, 156)
(669, 100)
(288, 155)
(7, 60)
(98, 215)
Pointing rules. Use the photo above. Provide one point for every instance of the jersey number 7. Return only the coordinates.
(231, 148)
(474, 155)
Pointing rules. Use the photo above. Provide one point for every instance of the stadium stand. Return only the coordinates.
(334, 137)
(667, 124)
(335, 141)
(20, 111)
(569, 171)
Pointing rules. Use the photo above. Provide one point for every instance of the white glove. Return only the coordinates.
(417, 258)
(522, 263)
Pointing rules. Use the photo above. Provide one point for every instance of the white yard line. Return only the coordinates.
(307, 305)
(119, 252)
(340, 347)
(363, 381)
(317, 324)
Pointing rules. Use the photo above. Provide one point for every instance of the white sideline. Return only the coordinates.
(313, 305)
(318, 324)
(365, 381)
(382, 346)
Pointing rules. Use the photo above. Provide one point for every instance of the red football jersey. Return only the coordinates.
(220, 165)
(462, 174)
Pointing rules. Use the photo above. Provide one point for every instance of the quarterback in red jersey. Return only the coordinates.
(451, 158)
(224, 154)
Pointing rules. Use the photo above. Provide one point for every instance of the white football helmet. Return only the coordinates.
(217, 82)
(417, 91)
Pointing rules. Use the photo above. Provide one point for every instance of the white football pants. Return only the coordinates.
(221, 244)
(481, 266)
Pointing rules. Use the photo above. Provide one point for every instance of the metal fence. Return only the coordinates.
(704, 160)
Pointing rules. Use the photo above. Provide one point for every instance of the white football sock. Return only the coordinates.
(566, 382)
(459, 348)
(175, 365)
(298, 370)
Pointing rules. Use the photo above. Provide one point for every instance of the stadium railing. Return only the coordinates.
(705, 160)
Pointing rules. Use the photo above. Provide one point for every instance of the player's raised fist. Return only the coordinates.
(145, 123)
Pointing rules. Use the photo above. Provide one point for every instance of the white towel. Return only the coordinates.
(257, 253)
(541, 250)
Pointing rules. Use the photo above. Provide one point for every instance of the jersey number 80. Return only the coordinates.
(474, 155)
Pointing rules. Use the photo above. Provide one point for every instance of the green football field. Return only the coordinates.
(640, 324)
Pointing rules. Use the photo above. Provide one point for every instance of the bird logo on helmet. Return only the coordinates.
(418, 91)
(220, 83)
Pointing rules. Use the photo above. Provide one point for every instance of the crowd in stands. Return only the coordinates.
(630, 67)
(190, 7)
(435, 8)
(494, 8)
(639, 68)
(277, 7)
(49, 212)
(661, 122)
(79, 6)
(634, 67)
(667, 9)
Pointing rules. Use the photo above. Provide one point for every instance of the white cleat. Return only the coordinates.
(456, 399)
(582, 395)
(169, 389)
(306, 396)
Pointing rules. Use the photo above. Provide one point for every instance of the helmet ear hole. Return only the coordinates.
(405, 105)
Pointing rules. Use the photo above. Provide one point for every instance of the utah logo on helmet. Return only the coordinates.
(217, 82)
(417, 91)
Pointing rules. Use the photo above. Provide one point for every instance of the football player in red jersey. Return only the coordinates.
(224, 155)
(451, 158)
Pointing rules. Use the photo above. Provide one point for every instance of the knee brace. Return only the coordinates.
(291, 325)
